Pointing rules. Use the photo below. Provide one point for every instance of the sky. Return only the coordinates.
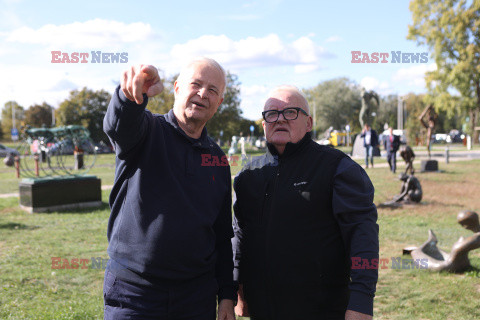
(265, 43)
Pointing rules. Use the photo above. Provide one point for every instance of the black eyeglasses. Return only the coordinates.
(288, 114)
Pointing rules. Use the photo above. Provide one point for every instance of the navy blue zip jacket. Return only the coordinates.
(171, 215)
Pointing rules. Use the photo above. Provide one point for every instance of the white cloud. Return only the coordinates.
(97, 33)
(253, 98)
(370, 83)
(252, 52)
(413, 76)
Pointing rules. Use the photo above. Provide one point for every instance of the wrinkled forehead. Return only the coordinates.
(281, 99)
(203, 70)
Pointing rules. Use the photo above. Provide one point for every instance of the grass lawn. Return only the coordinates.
(31, 289)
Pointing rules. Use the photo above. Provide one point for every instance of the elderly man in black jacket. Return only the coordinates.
(303, 213)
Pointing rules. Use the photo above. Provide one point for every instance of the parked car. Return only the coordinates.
(4, 151)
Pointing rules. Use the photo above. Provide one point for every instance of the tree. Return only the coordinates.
(7, 117)
(386, 112)
(163, 102)
(228, 117)
(451, 30)
(86, 108)
(39, 115)
(337, 104)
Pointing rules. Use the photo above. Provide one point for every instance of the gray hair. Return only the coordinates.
(211, 62)
(294, 90)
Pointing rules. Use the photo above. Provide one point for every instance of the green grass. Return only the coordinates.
(31, 289)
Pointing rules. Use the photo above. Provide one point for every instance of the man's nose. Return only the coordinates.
(203, 93)
(281, 118)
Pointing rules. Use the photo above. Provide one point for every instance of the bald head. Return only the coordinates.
(185, 71)
(292, 91)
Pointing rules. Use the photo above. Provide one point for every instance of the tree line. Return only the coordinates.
(449, 28)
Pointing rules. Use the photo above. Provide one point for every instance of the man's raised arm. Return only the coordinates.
(124, 122)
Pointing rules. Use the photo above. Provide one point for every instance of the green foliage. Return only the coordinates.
(337, 103)
(386, 113)
(87, 108)
(39, 115)
(7, 117)
(163, 102)
(228, 117)
(451, 29)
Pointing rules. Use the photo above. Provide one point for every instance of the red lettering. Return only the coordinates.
(384, 56)
(365, 264)
(56, 262)
(74, 263)
(75, 57)
(383, 262)
(215, 161)
(224, 161)
(84, 55)
(234, 161)
(356, 263)
(374, 264)
(55, 58)
(205, 160)
(83, 263)
(355, 55)
(65, 265)
(365, 58)
(66, 57)
(375, 57)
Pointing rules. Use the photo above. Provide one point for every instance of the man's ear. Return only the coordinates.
(263, 125)
(175, 87)
(309, 123)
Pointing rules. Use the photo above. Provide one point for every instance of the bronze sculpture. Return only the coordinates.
(411, 190)
(410, 193)
(457, 260)
(365, 115)
(429, 124)
(408, 156)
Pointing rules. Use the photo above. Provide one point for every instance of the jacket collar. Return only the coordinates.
(290, 148)
(202, 142)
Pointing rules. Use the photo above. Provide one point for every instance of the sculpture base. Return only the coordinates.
(429, 166)
(358, 149)
(60, 193)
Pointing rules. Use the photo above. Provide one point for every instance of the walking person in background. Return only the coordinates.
(370, 141)
(391, 144)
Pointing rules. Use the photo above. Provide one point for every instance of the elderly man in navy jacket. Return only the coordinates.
(304, 217)
(170, 228)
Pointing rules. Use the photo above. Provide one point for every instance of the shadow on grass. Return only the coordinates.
(15, 226)
(473, 272)
(104, 206)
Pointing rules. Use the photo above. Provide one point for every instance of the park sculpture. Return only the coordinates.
(365, 115)
(457, 260)
(53, 164)
(410, 192)
(408, 156)
(428, 123)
